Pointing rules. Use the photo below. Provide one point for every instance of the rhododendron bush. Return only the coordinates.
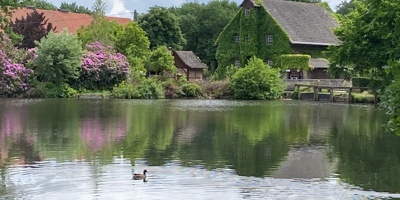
(102, 68)
(14, 77)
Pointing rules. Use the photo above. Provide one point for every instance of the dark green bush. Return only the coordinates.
(257, 81)
(145, 89)
(192, 90)
(361, 81)
(51, 90)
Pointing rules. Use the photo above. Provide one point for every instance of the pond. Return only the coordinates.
(195, 149)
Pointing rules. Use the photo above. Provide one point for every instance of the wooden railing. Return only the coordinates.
(290, 83)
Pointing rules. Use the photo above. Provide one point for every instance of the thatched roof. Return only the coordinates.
(190, 59)
(305, 23)
(319, 63)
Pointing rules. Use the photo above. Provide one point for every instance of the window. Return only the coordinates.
(246, 11)
(237, 63)
(237, 39)
(247, 39)
(269, 39)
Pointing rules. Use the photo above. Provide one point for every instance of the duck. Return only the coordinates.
(140, 176)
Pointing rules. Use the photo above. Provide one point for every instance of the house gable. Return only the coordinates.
(252, 30)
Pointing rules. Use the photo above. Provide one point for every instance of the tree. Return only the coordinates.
(161, 60)
(40, 4)
(99, 30)
(99, 8)
(73, 7)
(6, 9)
(133, 43)
(59, 58)
(345, 7)
(202, 23)
(33, 28)
(162, 28)
(257, 81)
(370, 36)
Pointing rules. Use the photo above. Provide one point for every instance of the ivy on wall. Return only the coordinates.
(293, 61)
(252, 30)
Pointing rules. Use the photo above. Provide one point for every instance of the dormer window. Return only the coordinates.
(246, 12)
(269, 39)
(247, 38)
(237, 39)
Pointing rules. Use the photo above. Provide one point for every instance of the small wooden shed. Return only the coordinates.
(189, 64)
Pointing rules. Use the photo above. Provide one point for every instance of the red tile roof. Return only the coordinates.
(61, 19)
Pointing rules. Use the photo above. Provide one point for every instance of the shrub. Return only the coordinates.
(102, 68)
(257, 81)
(142, 89)
(216, 89)
(14, 77)
(172, 88)
(192, 90)
(58, 58)
(225, 72)
(50, 90)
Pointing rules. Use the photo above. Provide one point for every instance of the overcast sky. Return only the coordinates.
(125, 8)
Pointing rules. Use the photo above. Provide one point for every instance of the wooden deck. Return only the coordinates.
(317, 88)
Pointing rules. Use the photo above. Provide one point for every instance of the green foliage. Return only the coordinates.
(139, 89)
(257, 81)
(100, 30)
(201, 23)
(225, 72)
(73, 7)
(192, 90)
(59, 58)
(361, 81)
(345, 7)
(370, 37)
(293, 61)
(6, 9)
(161, 60)
(255, 27)
(133, 43)
(40, 4)
(162, 28)
(51, 90)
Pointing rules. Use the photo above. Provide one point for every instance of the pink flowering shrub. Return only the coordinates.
(14, 77)
(102, 68)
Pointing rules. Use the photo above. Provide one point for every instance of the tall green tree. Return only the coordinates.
(162, 28)
(59, 58)
(73, 7)
(202, 23)
(345, 7)
(133, 43)
(33, 28)
(370, 36)
(100, 29)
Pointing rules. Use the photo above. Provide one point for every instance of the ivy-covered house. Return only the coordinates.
(286, 34)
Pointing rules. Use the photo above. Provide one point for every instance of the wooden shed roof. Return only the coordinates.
(190, 59)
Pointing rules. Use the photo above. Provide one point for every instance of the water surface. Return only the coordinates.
(195, 149)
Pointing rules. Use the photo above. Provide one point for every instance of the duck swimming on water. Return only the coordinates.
(140, 176)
